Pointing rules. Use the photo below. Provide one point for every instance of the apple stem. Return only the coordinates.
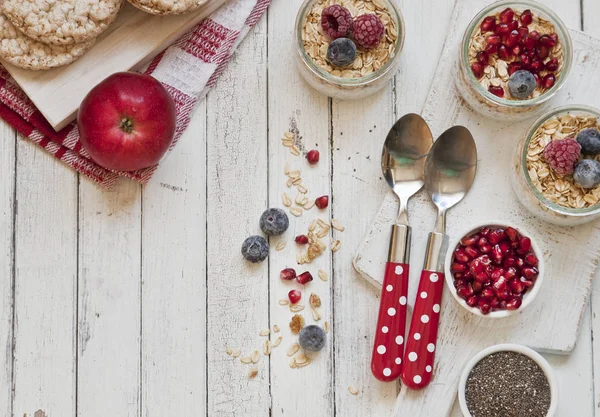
(126, 125)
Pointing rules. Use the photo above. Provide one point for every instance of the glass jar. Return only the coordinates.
(347, 88)
(479, 98)
(524, 187)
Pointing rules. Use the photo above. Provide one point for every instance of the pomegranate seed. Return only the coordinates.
(512, 233)
(500, 285)
(301, 239)
(304, 278)
(503, 295)
(493, 40)
(294, 296)
(523, 30)
(534, 35)
(322, 202)
(525, 243)
(483, 57)
(456, 267)
(472, 301)
(312, 157)
(502, 29)
(530, 272)
(507, 15)
(488, 24)
(525, 60)
(543, 52)
(485, 232)
(548, 81)
(497, 255)
(497, 91)
(464, 292)
(538, 80)
(459, 282)
(547, 41)
(536, 65)
(509, 262)
(481, 242)
(504, 247)
(491, 49)
(497, 273)
(531, 259)
(516, 286)
(526, 283)
(512, 40)
(527, 41)
(497, 236)
(460, 256)
(469, 240)
(514, 66)
(511, 272)
(526, 17)
(554, 37)
(487, 294)
(287, 274)
(477, 69)
(477, 287)
(471, 251)
(504, 52)
(516, 51)
(483, 278)
(552, 65)
(494, 303)
(519, 263)
(484, 307)
(514, 304)
(514, 25)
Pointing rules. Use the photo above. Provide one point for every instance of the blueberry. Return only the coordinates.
(341, 52)
(587, 173)
(589, 139)
(255, 249)
(521, 84)
(274, 222)
(312, 338)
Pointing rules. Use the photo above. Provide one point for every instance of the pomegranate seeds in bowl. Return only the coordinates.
(493, 269)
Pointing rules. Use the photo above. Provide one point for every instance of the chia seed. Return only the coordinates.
(507, 384)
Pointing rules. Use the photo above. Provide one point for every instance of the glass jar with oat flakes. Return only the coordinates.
(552, 197)
(506, 37)
(371, 70)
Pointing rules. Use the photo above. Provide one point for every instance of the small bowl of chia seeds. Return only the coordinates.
(508, 380)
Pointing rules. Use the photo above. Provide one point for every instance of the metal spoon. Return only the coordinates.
(449, 173)
(403, 165)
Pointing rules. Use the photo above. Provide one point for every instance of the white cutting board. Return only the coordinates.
(131, 41)
(551, 322)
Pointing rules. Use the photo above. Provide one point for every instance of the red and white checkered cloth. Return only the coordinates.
(188, 69)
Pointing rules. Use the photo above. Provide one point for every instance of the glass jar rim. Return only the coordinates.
(349, 82)
(565, 39)
(557, 208)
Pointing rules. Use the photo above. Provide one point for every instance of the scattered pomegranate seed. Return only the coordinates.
(512, 40)
(491, 48)
(493, 40)
(534, 35)
(554, 37)
(469, 240)
(477, 69)
(514, 304)
(312, 157)
(287, 274)
(546, 40)
(538, 80)
(458, 267)
(472, 252)
(516, 286)
(497, 91)
(531, 259)
(526, 17)
(294, 296)
(465, 292)
(507, 15)
(537, 65)
(525, 60)
(529, 41)
(483, 57)
(504, 52)
(487, 294)
(497, 236)
(548, 81)
(512, 233)
(523, 30)
(472, 301)
(516, 51)
(488, 24)
(502, 29)
(543, 52)
(552, 65)
(322, 202)
(304, 278)
(301, 239)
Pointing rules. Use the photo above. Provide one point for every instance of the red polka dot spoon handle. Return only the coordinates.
(389, 336)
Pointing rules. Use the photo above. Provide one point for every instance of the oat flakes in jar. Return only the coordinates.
(514, 57)
(559, 182)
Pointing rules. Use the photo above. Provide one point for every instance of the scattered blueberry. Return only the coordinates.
(521, 84)
(589, 139)
(274, 222)
(255, 249)
(587, 173)
(341, 52)
(312, 338)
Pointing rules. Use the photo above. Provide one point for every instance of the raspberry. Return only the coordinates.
(336, 21)
(562, 155)
(368, 31)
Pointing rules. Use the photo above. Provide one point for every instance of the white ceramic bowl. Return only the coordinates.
(509, 348)
(529, 295)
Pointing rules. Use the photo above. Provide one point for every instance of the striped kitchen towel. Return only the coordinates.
(188, 69)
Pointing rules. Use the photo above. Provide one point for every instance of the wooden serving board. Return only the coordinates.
(551, 322)
(130, 42)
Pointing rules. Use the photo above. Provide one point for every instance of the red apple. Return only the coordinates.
(127, 122)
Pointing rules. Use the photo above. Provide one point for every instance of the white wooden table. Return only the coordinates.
(122, 302)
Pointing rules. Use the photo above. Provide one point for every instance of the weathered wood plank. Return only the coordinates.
(108, 350)
(174, 280)
(294, 106)
(45, 284)
(238, 292)
(7, 217)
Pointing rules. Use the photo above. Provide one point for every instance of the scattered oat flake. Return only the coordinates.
(246, 360)
(229, 351)
(286, 168)
(352, 390)
(293, 349)
(302, 189)
(297, 323)
(301, 359)
(284, 302)
(315, 313)
(309, 204)
(294, 174)
(322, 275)
(293, 363)
(277, 341)
(267, 348)
(289, 135)
(280, 245)
(313, 225)
(276, 329)
(337, 225)
(295, 308)
(296, 211)
(265, 332)
(295, 150)
(336, 246)
(255, 356)
(286, 199)
(289, 183)
(253, 372)
(236, 353)
(326, 327)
